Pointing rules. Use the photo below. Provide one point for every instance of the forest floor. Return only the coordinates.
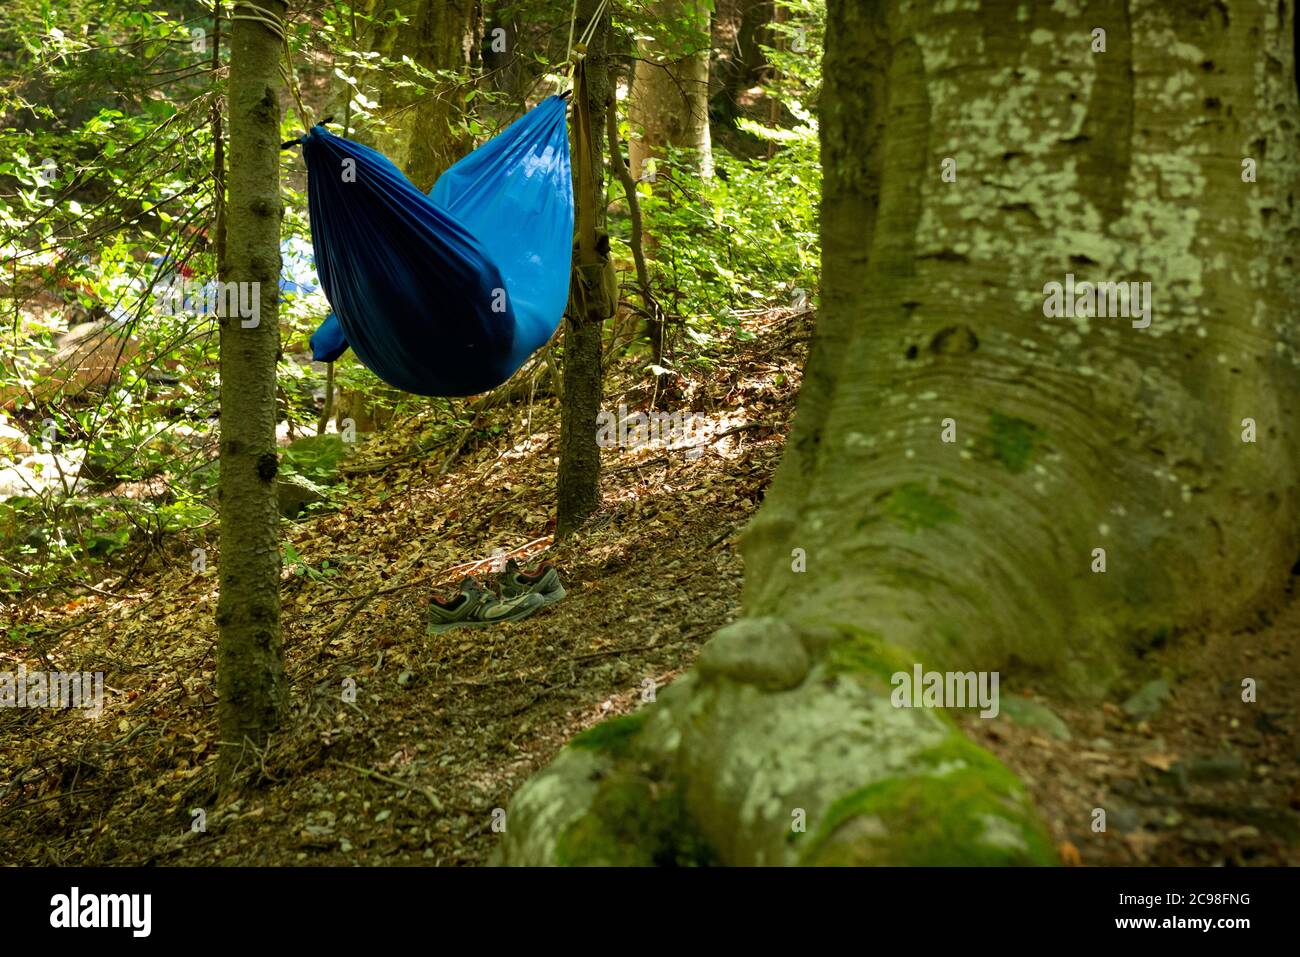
(444, 728)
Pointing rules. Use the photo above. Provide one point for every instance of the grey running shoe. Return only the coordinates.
(476, 607)
(544, 582)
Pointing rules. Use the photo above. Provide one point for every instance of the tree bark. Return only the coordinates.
(578, 479)
(438, 35)
(738, 31)
(218, 151)
(250, 668)
(1071, 434)
(669, 100)
(653, 313)
(668, 107)
(739, 64)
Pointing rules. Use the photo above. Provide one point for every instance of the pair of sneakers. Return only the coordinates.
(518, 595)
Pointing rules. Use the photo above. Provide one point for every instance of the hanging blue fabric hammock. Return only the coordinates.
(446, 294)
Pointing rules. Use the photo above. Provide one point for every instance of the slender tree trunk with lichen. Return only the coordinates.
(1071, 434)
(250, 669)
(578, 477)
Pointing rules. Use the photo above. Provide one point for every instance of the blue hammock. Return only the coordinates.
(445, 294)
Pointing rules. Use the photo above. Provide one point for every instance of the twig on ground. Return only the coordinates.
(395, 782)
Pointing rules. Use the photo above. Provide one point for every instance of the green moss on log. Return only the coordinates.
(614, 737)
(637, 817)
(960, 807)
(863, 652)
(1012, 441)
(635, 820)
(917, 508)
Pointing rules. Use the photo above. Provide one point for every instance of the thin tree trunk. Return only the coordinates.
(739, 28)
(654, 315)
(578, 481)
(322, 421)
(218, 151)
(250, 669)
(774, 76)
(881, 546)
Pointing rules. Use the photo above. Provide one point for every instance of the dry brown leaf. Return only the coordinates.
(1160, 761)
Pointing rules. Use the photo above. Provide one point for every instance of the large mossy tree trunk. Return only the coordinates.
(668, 109)
(250, 669)
(578, 478)
(669, 100)
(1072, 434)
(426, 136)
